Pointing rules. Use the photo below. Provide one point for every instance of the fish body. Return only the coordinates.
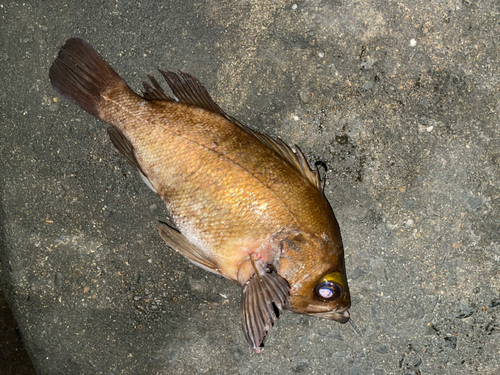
(244, 206)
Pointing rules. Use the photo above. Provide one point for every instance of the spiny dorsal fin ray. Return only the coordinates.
(187, 89)
(156, 92)
(181, 244)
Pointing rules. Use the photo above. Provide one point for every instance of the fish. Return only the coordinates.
(241, 204)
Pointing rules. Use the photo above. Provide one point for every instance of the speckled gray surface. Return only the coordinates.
(400, 99)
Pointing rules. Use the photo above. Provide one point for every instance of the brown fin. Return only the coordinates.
(126, 150)
(297, 158)
(81, 75)
(260, 296)
(187, 89)
(124, 147)
(156, 92)
(181, 244)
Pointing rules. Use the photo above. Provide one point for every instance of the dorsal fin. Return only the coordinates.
(156, 92)
(187, 89)
(297, 159)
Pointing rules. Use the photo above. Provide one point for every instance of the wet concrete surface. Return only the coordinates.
(400, 99)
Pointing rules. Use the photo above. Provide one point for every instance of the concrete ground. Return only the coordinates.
(401, 99)
(14, 359)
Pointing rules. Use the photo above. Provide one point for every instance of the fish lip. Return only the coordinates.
(339, 316)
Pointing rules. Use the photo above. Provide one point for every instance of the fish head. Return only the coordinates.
(314, 268)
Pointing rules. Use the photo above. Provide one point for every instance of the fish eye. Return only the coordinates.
(328, 291)
(330, 287)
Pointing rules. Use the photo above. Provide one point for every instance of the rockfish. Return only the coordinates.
(245, 206)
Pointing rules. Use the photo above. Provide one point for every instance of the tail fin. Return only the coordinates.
(81, 75)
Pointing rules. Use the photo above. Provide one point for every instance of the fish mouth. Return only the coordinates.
(323, 312)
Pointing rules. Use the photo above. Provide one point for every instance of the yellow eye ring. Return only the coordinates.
(330, 287)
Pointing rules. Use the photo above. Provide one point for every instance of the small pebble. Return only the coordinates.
(465, 310)
(474, 202)
(58, 279)
(450, 342)
(368, 85)
(383, 349)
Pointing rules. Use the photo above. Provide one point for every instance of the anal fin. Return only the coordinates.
(123, 146)
(262, 294)
(126, 150)
(177, 241)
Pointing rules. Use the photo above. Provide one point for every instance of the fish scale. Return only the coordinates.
(208, 175)
(245, 206)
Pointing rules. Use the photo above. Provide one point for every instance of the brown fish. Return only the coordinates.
(245, 206)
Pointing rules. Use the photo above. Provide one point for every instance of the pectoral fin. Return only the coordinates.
(180, 243)
(263, 297)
